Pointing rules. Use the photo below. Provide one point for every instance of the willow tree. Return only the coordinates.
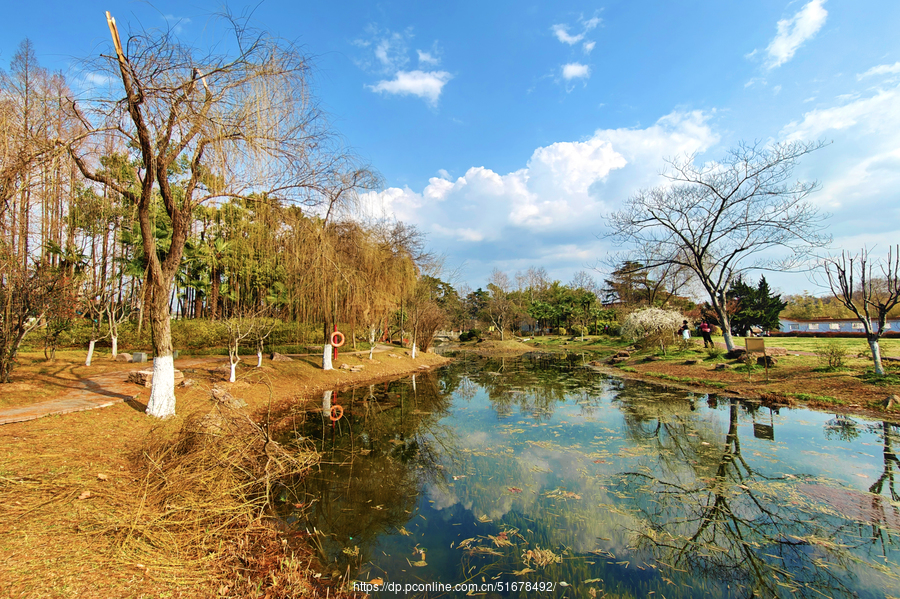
(205, 127)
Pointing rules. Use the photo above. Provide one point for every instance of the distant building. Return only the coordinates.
(833, 325)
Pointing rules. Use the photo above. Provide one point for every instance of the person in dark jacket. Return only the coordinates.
(706, 331)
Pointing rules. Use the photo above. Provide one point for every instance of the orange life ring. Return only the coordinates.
(336, 413)
(334, 341)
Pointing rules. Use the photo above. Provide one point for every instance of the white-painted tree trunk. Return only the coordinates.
(414, 383)
(876, 357)
(371, 342)
(258, 359)
(115, 346)
(326, 403)
(162, 392)
(90, 355)
(326, 357)
(231, 377)
(413, 353)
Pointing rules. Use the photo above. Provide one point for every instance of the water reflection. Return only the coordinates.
(537, 469)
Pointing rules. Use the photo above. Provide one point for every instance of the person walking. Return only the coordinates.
(685, 331)
(706, 331)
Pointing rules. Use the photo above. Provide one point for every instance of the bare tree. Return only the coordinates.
(206, 127)
(855, 283)
(35, 180)
(724, 218)
(500, 307)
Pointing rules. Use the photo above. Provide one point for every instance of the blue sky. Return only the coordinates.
(506, 130)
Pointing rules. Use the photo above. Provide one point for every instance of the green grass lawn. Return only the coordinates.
(889, 347)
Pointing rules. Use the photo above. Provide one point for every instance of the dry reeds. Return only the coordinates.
(207, 506)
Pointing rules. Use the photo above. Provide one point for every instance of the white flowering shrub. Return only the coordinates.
(652, 326)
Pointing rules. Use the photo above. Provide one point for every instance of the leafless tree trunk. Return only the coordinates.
(723, 218)
(854, 282)
(233, 125)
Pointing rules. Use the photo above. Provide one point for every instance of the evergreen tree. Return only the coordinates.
(755, 306)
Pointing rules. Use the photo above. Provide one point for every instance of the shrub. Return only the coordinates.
(610, 328)
(715, 353)
(470, 335)
(198, 334)
(652, 327)
(831, 355)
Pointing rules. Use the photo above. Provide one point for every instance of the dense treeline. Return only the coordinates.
(72, 247)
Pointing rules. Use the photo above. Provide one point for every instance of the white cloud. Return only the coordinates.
(576, 70)
(860, 171)
(425, 85)
(562, 34)
(549, 210)
(98, 79)
(175, 23)
(883, 69)
(390, 52)
(387, 53)
(428, 59)
(589, 47)
(591, 23)
(877, 112)
(561, 31)
(793, 32)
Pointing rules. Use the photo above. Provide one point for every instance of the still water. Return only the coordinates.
(539, 470)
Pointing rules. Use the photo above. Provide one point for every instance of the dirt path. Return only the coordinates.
(104, 390)
(98, 391)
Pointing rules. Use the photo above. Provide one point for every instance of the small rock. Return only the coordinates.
(722, 367)
(344, 367)
(145, 377)
(622, 354)
(735, 354)
(890, 402)
(766, 361)
(124, 358)
(187, 383)
(85, 495)
(141, 377)
(276, 357)
(102, 476)
(224, 397)
(615, 360)
(691, 362)
(652, 359)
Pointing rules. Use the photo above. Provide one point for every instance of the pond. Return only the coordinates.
(538, 476)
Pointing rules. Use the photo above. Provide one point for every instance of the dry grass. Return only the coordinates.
(182, 508)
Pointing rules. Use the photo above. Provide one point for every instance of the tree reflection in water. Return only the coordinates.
(703, 509)
(535, 448)
(374, 461)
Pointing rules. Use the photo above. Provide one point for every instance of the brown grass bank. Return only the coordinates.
(112, 503)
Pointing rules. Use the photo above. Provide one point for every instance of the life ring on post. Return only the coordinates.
(336, 413)
(337, 339)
